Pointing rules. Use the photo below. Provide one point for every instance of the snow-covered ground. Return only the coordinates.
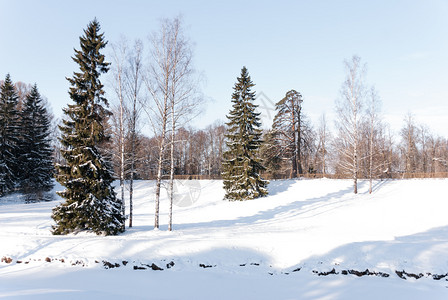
(278, 247)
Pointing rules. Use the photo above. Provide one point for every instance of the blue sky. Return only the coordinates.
(285, 45)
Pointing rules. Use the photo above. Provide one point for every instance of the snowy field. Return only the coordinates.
(309, 239)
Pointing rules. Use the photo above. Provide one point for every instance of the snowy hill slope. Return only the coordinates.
(253, 247)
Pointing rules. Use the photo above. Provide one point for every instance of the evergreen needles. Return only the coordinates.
(91, 203)
(241, 163)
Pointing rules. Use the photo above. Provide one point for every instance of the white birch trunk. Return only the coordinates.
(171, 186)
(159, 172)
(119, 56)
(355, 146)
(122, 155)
(135, 84)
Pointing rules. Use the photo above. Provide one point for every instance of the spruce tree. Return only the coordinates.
(241, 164)
(91, 203)
(35, 160)
(9, 118)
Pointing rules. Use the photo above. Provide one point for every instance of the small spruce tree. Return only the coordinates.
(241, 162)
(91, 203)
(9, 136)
(35, 151)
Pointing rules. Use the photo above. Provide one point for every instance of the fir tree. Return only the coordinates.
(241, 165)
(91, 203)
(35, 160)
(8, 136)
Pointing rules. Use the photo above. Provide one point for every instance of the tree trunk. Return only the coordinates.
(131, 179)
(295, 160)
(131, 193)
(293, 173)
(323, 158)
(355, 148)
(355, 171)
(371, 165)
(159, 172)
(371, 157)
(122, 157)
(171, 187)
(137, 62)
(298, 141)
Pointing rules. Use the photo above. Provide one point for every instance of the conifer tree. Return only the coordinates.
(8, 136)
(35, 151)
(287, 126)
(91, 203)
(241, 164)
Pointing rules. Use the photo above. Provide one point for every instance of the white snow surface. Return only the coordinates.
(249, 249)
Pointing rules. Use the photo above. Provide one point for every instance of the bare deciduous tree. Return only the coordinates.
(322, 150)
(374, 132)
(158, 83)
(349, 111)
(184, 100)
(133, 91)
(126, 70)
(409, 144)
(119, 53)
(170, 82)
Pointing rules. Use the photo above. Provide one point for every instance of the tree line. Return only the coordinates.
(361, 141)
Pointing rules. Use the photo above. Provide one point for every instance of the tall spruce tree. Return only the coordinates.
(35, 151)
(91, 203)
(241, 164)
(9, 119)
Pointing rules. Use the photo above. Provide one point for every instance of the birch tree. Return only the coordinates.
(323, 135)
(157, 83)
(133, 83)
(374, 131)
(184, 99)
(119, 51)
(349, 115)
(171, 85)
(127, 81)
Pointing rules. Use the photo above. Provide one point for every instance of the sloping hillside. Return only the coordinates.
(279, 246)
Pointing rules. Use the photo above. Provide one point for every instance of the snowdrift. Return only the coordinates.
(309, 239)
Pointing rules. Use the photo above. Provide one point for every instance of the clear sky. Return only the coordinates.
(285, 45)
